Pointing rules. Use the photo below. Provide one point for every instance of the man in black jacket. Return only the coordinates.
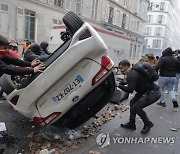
(147, 94)
(167, 66)
(5, 61)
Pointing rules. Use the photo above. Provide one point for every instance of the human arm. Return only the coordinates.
(131, 82)
(16, 61)
(11, 70)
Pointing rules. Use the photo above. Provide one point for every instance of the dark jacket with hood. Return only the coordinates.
(44, 46)
(168, 65)
(34, 52)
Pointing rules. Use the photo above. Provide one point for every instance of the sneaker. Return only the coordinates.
(129, 125)
(161, 104)
(2, 98)
(175, 104)
(147, 128)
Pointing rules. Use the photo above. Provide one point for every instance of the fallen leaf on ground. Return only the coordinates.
(94, 152)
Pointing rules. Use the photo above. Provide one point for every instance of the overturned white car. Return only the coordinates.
(77, 83)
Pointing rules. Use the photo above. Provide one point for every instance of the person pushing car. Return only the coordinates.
(7, 62)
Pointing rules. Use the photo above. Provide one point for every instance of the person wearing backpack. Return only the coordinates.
(147, 92)
(167, 66)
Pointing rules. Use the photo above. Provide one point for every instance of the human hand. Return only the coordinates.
(36, 62)
(39, 68)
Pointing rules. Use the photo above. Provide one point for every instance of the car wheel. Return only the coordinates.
(72, 21)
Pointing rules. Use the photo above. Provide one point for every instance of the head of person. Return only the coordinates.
(13, 46)
(28, 42)
(157, 57)
(36, 49)
(124, 66)
(167, 52)
(4, 43)
(151, 55)
(44, 45)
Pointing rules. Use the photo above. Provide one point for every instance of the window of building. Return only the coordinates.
(125, 3)
(4, 20)
(20, 24)
(111, 14)
(156, 43)
(59, 3)
(133, 25)
(158, 31)
(79, 6)
(149, 18)
(68, 4)
(134, 51)
(94, 9)
(160, 19)
(147, 31)
(150, 4)
(20, 11)
(57, 22)
(29, 25)
(4, 7)
(137, 25)
(123, 20)
(162, 4)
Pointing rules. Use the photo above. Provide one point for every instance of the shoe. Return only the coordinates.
(129, 125)
(175, 104)
(161, 104)
(147, 128)
(2, 98)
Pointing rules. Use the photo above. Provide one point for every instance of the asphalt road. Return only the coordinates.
(23, 136)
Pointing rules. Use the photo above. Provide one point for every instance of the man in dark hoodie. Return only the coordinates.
(35, 52)
(147, 93)
(44, 46)
(167, 67)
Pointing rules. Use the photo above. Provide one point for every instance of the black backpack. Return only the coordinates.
(146, 69)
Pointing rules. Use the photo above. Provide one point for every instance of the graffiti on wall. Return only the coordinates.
(120, 53)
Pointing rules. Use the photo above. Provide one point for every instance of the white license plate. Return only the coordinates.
(68, 89)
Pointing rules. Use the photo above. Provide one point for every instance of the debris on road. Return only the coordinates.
(174, 129)
(2, 126)
(94, 152)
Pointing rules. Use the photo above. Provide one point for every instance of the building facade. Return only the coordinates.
(34, 19)
(162, 30)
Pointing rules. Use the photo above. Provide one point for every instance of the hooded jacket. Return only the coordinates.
(168, 65)
(44, 46)
(34, 52)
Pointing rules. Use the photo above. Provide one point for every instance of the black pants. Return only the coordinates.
(139, 102)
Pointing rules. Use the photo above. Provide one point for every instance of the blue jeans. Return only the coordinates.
(177, 82)
(169, 83)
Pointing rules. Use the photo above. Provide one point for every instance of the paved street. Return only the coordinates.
(22, 133)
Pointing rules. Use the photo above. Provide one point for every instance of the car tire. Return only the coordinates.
(72, 21)
(6, 83)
